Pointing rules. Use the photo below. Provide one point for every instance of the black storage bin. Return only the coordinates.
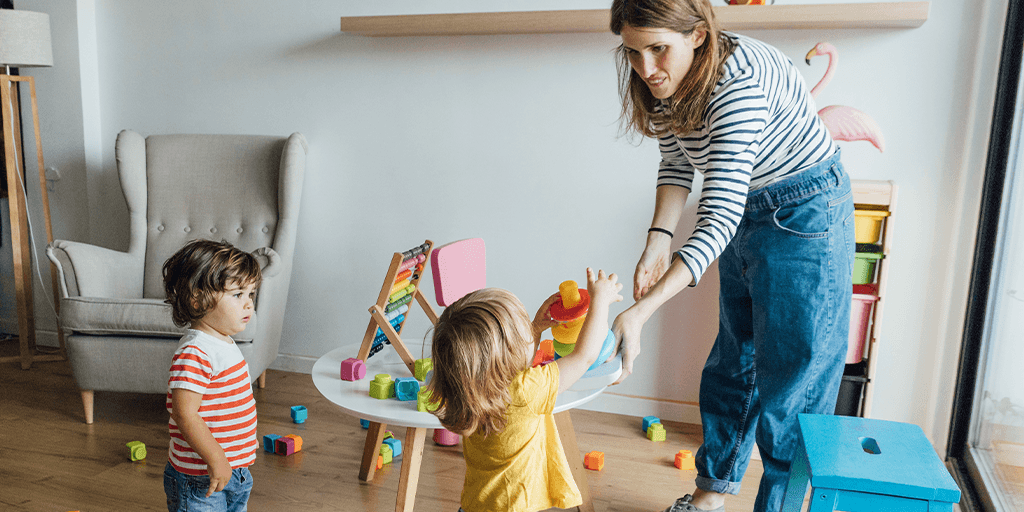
(851, 389)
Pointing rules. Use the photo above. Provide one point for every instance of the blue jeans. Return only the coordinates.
(784, 320)
(187, 493)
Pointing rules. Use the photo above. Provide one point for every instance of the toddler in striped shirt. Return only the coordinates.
(211, 287)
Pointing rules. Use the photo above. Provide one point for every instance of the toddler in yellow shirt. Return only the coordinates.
(483, 345)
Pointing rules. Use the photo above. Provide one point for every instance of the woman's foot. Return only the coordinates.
(700, 501)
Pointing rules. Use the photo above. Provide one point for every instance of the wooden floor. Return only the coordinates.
(50, 460)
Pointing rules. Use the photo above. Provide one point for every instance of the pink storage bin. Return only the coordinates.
(864, 296)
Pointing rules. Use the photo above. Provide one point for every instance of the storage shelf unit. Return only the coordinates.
(876, 195)
(731, 17)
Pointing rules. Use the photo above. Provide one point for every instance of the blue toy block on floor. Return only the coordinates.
(364, 423)
(396, 446)
(406, 388)
(299, 413)
(648, 420)
(859, 465)
(269, 441)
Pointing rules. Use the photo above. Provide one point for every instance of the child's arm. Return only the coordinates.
(603, 291)
(185, 411)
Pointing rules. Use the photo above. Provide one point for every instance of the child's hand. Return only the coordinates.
(603, 289)
(220, 476)
(543, 321)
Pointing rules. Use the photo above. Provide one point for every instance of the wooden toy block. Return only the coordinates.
(396, 447)
(422, 367)
(284, 446)
(385, 451)
(353, 369)
(594, 461)
(406, 388)
(270, 442)
(648, 420)
(423, 402)
(136, 450)
(656, 432)
(685, 460)
(364, 423)
(382, 387)
(445, 437)
(299, 413)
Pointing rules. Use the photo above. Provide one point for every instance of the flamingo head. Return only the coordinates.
(822, 48)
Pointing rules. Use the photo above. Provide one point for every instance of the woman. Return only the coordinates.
(775, 209)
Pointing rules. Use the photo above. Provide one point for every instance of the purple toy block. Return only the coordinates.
(353, 369)
(445, 437)
(284, 446)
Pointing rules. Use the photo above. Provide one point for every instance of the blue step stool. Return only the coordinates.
(859, 464)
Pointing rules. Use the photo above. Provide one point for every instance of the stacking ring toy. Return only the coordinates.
(574, 303)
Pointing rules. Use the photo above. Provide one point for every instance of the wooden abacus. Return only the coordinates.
(389, 313)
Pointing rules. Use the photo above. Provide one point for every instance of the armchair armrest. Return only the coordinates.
(269, 260)
(92, 271)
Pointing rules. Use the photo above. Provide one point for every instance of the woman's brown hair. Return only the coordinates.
(200, 270)
(685, 110)
(480, 344)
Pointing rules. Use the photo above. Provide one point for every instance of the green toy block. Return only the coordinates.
(385, 451)
(423, 402)
(422, 367)
(137, 450)
(382, 387)
(656, 432)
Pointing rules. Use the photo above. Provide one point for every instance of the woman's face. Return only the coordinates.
(660, 56)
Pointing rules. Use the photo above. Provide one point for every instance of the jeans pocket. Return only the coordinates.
(806, 217)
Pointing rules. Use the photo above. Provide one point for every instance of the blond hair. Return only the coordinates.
(480, 344)
(686, 108)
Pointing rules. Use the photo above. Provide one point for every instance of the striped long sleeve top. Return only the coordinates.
(216, 370)
(760, 126)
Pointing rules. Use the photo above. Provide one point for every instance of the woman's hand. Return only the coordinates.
(542, 321)
(653, 264)
(626, 328)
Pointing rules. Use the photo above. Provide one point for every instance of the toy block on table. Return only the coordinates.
(385, 451)
(299, 413)
(423, 402)
(594, 461)
(396, 447)
(136, 450)
(459, 268)
(406, 388)
(382, 387)
(656, 432)
(685, 460)
(445, 437)
(648, 420)
(270, 442)
(353, 369)
(422, 367)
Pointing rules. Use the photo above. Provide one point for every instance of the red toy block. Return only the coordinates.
(684, 460)
(352, 369)
(594, 461)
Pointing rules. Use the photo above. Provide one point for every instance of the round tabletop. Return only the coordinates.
(354, 398)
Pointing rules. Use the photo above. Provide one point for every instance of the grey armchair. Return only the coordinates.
(243, 189)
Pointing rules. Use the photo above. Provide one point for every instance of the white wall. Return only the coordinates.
(513, 139)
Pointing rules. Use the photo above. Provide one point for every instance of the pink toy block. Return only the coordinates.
(353, 369)
(458, 268)
(445, 437)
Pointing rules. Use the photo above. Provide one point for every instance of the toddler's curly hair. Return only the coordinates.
(200, 270)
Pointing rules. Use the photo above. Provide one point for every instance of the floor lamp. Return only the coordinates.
(24, 42)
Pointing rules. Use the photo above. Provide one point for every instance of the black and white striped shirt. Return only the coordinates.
(760, 126)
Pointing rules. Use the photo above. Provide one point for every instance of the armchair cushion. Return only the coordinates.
(128, 317)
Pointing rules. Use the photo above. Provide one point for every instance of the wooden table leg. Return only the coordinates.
(412, 456)
(374, 437)
(572, 452)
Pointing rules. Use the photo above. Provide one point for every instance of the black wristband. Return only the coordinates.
(661, 230)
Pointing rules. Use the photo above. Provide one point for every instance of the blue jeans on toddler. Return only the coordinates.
(784, 321)
(187, 493)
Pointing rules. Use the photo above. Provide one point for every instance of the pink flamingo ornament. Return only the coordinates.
(845, 123)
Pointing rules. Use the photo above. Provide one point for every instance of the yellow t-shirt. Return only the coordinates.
(522, 468)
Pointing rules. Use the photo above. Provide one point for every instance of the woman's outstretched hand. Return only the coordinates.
(626, 328)
(653, 264)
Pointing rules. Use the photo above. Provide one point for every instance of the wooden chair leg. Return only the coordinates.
(87, 404)
(261, 382)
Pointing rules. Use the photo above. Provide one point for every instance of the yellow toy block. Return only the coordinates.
(423, 402)
(382, 387)
(422, 367)
(656, 432)
(385, 451)
(685, 460)
(137, 450)
(594, 461)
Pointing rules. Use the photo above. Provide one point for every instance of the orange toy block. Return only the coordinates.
(594, 461)
(684, 460)
(545, 354)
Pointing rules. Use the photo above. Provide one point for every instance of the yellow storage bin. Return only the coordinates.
(868, 225)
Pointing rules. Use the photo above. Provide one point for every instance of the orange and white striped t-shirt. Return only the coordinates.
(216, 370)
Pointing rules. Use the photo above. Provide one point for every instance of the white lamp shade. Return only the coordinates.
(25, 39)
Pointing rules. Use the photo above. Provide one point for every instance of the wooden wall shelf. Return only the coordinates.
(732, 17)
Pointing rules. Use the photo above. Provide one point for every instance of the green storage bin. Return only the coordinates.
(864, 267)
